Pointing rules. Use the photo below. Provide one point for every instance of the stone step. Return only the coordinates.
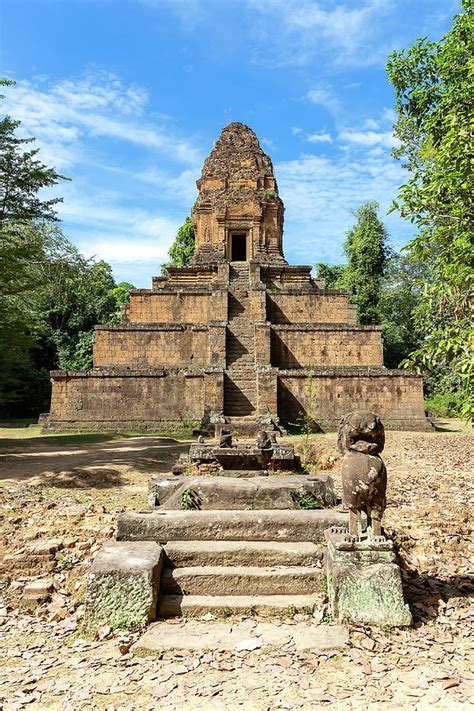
(194, 605)
(288, 491)
(252, 580)
(227, 635)
(180, 554)
(225, 525)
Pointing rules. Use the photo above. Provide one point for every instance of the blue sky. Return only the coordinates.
(126, 97)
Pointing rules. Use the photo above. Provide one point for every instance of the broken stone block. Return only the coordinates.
(37, 592)
(123, 585)
(364, 580)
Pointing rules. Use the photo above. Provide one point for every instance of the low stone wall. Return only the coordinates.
(138, 346)
(139, 400)
(297, 345)
(309, 306)
(330, 393)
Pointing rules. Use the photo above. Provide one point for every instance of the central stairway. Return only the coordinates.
(240, 388)
(222, 561)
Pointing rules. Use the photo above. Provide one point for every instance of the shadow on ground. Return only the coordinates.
(97, 464)
(424, 593)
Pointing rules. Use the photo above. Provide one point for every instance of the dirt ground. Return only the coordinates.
(71, 489)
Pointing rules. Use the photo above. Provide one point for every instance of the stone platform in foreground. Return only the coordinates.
(194, 635)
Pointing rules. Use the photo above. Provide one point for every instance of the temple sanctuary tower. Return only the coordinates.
(239, 336)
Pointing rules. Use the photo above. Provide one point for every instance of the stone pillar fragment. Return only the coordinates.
(123, 585)
(364, 580)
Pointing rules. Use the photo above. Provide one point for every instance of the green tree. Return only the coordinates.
(434, 91)
(22, 211)
(366, 248)
(182, 250)
(22, 175)
(334, 275)
(402, 286)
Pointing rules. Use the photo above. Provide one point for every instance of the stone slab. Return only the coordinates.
(277, 525)
(180, 554)
(263, 605)
(258, 492)
(123, 584)
(243, 580)
(193, 635)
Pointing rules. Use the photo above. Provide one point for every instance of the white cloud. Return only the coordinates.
(370, 123)
(61, 114)
(319, 137)
(323, 97)
(119, 207)
(296, 131)
(320, 194)
(296, 31)
(368, 138)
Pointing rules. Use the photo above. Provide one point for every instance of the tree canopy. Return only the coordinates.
(50, 295)
(434, 91)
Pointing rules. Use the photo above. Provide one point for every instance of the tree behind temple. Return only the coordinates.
(367, 251)
(182, 249)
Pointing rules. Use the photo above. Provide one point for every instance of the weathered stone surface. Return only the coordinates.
(193, 635)
(123, 584)
(251, 580)
(361, 439)
(269, 492)
(194, 605)
(164, 526)
(364, 582)
(244, 455)
(180, 554)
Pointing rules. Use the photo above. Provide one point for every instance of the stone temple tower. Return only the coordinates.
(239, 336)
(238, 215)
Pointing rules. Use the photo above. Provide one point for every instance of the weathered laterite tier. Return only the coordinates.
(238, 337)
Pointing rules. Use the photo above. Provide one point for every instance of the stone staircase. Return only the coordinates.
(233, 576)
(263, 561)
(240, 388)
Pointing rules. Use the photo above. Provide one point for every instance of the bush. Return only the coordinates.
(443, 404)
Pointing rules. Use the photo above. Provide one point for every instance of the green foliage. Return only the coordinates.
(49, 308)
(305, 499)
(401, 290)
(182, 250)
(22, 176)
(190, 500)
(334, 276)
(443, 404)
(433, 84)
(367, 251)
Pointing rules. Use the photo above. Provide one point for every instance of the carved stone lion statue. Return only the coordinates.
(361, 438)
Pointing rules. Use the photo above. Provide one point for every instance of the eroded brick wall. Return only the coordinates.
(309, 307)
(293, 347)
(396, 397)
(87, 397)
(135, 347)
(153, 307)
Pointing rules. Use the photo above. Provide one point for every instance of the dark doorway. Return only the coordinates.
(239, 248)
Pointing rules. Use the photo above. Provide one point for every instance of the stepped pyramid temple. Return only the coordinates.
(239, 336)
